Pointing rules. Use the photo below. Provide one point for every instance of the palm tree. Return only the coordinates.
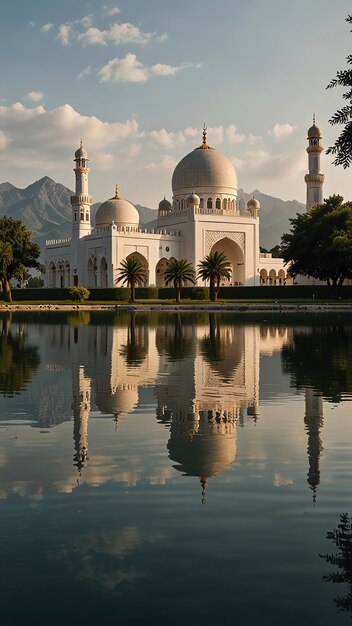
(6, 258)
(179, 272)
(214, 267)
(132, 272)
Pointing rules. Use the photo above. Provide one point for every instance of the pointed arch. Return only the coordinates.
(143, 260)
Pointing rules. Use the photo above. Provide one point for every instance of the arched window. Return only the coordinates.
(218, 203)
(201, 204)
(209, 203)
(224, 204)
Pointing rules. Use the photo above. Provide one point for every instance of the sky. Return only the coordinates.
(137, 80)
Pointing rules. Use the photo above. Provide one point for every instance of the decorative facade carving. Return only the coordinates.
(213, 236)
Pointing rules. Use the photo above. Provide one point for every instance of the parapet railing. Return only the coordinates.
(58, 242)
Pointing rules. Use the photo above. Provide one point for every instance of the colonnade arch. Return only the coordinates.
(143, 260)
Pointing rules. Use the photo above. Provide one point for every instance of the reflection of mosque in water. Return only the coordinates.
(205, 373)
(206, 380)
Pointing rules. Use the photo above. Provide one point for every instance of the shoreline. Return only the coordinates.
(220, 307)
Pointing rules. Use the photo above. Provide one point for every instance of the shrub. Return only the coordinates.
(78, 294)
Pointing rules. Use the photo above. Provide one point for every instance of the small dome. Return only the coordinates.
(117, 210)
(314, 132)
(193, 199)
(165, 205)
(253, 204)
(81, 153)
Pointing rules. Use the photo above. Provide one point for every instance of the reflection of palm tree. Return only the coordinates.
(136, 348)
(179, 346)
(214, 267)
(213, 347)
(342, 538)
(18, 361)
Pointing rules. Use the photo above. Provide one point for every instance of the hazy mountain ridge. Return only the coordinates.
(45, 208)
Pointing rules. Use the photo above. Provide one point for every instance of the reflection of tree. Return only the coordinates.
(18, 361)
(342, 538)
(213, 346)
(321, 359)
(136, 348)
(179, 346)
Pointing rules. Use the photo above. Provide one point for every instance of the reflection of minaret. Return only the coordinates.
(81, 410)
(313, 420)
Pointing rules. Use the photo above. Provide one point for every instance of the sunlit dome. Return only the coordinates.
(204, 168)
(81, 153)
(117, 210)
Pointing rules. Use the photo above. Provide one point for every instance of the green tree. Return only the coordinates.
(34, 282)
(6, 258)
(320, 242)
(179, 272)
(342, 148)
(78, 293)
(132, 272)
(18, 360)
(341, 537)
(214, 267)
(25, 253)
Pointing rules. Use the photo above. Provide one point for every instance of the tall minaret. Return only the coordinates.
(314, 420)
(80, 202)
(314, 179)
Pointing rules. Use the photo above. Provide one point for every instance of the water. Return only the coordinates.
(174, 468)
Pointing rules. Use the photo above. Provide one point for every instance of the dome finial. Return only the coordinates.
(313, 119)
(81, 143)
(204, 134)
(116, 192)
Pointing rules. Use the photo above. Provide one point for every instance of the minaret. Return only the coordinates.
(314, 179)
(80, 202)
(81, 411)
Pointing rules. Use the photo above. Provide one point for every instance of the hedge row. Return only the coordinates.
(292, 292)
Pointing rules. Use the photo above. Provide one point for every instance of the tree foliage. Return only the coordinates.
(341, 537)
(78, 293)
(17, 239)
(179, 272)
(18, 360)
(342, 148)
(132, 272)
(319, 243)
(213, 268)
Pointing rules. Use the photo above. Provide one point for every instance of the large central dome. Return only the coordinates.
(204, 168)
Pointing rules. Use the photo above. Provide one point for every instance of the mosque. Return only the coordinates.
(205, 216)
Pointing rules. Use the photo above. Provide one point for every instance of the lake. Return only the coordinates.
(179, 468)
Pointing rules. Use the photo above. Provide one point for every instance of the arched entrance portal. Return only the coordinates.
(103, 273)
(235, 257)
(160, 271)
(143, 260)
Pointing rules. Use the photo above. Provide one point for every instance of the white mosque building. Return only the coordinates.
(205, 216)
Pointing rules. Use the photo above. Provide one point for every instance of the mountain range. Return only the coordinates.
(45, 209)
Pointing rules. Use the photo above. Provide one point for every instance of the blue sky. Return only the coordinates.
(138, 78)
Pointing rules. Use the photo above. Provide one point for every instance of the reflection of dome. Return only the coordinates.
(314, 132)
(123, 400)
(204, 454)
(165, 205)
(117, 210)
(204, 168)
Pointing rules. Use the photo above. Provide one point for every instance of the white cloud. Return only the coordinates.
(35, 96)
(279, 131)
(85, 21)
(64, 34)
(119, 34)
(46, 27)
(87, 70)
(3, 140)
(130, 69)
(166, 164)
(109, 11)
(268, 166)
(233, 136)
(40, 138)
